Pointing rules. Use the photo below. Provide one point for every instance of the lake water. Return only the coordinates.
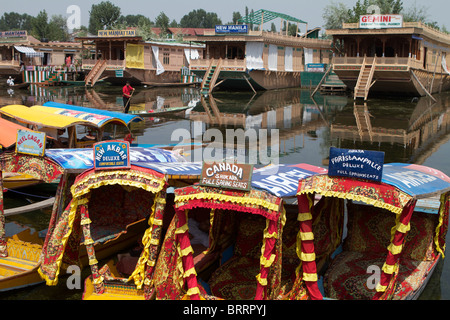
(409, 130)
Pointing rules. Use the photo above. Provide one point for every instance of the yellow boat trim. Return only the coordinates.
(395, 249)
(312, 277)
(35, 117)
(304, 216)
(347, 196)
(308, 257)
(226, 198)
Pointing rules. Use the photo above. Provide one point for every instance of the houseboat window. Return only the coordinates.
(166, 58)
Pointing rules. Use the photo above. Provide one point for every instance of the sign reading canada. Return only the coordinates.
(30, 142)
(227, 175)
(112, 155)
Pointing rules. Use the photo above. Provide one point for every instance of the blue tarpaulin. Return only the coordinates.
(416, 180)
(127, 118)
(83, 159)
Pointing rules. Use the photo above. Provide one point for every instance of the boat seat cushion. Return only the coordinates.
(419, 243)
(347, 277)
(369, 229)
(250, 236)
(236, 279)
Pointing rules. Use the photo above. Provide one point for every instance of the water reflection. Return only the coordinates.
(410, 131)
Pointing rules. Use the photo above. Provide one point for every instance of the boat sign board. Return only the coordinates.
(359, 164)
(30, 142)
(112, 155)
(227, 175)
(237, 28)
(381, 21)
(116, 33)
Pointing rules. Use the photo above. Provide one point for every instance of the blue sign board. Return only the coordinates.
(30, 142)
(360, 164)
(238, 28)
(112, 155)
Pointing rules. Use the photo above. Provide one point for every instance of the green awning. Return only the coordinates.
(266, 16)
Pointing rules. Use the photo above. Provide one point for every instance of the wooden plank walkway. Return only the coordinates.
(31, 207)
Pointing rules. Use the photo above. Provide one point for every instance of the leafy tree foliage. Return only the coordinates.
(15, 21)
(200, 19)
(103, 16)
(337, 13)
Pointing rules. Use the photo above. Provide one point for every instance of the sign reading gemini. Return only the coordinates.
(227, 175)
(361, 164)
(112, 155)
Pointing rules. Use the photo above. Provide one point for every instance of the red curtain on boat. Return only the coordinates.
(307, 257)
(386, 287)
(270, 239)
(3, 247)
(190, 275)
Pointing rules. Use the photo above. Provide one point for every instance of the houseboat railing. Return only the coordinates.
(237, 64)
(381, 61)
(14, 63)
(115, 64)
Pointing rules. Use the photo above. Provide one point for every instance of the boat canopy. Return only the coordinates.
(262, 16)
(9, 133)
(94, 119)
(126, 118)
(32, 116)
(401, 188)
(264, 199)
(79, 160)
(400, 184)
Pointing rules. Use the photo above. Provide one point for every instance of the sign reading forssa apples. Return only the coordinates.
(227, 175)
(112, 155)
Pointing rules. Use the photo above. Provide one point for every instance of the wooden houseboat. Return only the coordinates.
(385, 55)
(29, 60)
(118, 56)
(240, 58)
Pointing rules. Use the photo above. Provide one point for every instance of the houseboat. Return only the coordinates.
(382, 54)
(118, 56)
(31, 61)
(240, 58)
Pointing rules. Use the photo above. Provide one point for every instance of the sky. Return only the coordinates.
(306, 10)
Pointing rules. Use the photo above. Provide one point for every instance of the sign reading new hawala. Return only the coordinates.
(227, 175)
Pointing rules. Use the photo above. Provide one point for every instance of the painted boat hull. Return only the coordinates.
(396, 80)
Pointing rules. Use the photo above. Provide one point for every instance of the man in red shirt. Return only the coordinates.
(127, 93)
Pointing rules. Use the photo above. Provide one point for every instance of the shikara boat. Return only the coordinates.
(160, 112)
(19, 258)
(248, 246)
(96, 226)
(19, 254)
(54, 116)
(375, 240)
(8, 140)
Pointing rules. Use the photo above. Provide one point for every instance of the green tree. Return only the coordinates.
(15, 21)
(133, 20)
(162, 21)
(200, 19)
(58, 29)
(236, 16)
(103, 16)
(40, 26)
(335, 14)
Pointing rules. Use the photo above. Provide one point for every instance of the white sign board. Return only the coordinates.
(380, 21)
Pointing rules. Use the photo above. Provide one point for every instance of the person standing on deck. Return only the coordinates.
(127, 92)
